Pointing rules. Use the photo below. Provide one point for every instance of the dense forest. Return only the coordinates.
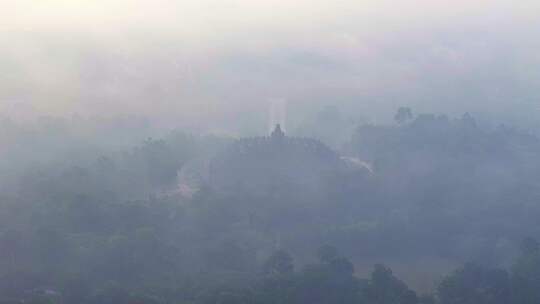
(427, 209)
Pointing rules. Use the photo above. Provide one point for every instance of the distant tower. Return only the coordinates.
(277, 134)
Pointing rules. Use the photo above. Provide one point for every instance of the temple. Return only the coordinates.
(259, 163)
(277, 134)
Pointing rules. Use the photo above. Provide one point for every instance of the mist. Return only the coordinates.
(217, 60)
(234, 151)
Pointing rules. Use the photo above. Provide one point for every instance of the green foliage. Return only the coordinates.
(474, 284)
(385, 288)
(526, 274)
(327, 253)
(279, 263)
(403, 115)
(112, 227)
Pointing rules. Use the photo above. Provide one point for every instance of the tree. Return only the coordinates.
(280, 263)
(403, 115)
(475, 284)
(327, 253)
(277, 286)
(526, 274)
(529, 246)
(329, 281)
(385, 288)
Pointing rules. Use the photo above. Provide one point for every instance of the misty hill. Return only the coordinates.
(441, 191)
(263, 163)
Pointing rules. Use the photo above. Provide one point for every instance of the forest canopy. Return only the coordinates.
(149, 220)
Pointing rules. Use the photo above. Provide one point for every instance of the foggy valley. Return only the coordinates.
(264, 152)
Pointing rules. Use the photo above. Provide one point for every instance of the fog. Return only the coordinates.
(192, 61)
(265, 152)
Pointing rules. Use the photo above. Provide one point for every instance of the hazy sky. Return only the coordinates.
(199, 59)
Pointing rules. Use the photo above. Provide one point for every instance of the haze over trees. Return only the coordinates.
(269, 152)
(184, 218)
